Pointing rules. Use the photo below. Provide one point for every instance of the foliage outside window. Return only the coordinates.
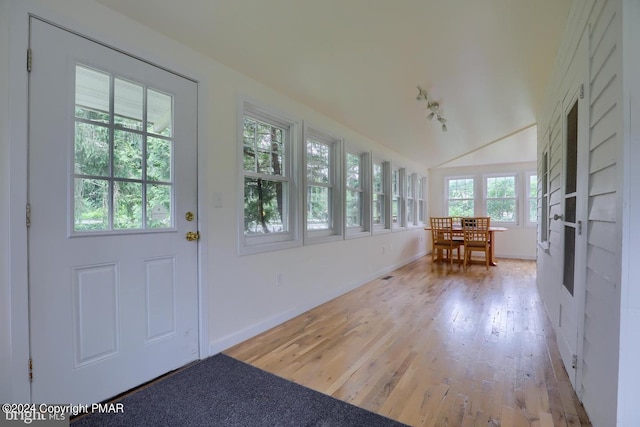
(460, 197)
(123, 152)
(501, 198)
(532, 211)
(379, 195)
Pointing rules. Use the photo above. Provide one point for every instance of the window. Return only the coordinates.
(532, 200)
(380, 196)
(410, 196)
(501, 198)
(421, 185)
(357, 199)
(460, 197)
(323, 196)
(123, 155)
(544, 197)
(398, 219)
(269, 202)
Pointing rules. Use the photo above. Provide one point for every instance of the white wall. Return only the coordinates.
(241, 294)
(520, 240)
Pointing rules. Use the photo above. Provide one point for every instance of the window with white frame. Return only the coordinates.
(460, 196)
(323, 196)
(544, 197)
(357, 195)
(380, 195)
(398, 219)
(532, 199)
(501, 198)
(269, 202)
(421, 184)
(410, 198)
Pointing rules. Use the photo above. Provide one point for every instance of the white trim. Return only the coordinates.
(517, 199)
(262, 243)
(336, 173)
(366, 169)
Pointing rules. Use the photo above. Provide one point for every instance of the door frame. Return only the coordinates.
(578, 91)
(97, 30)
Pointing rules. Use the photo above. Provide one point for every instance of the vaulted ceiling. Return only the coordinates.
(359, 61)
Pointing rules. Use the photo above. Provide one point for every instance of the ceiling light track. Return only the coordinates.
(433, 107)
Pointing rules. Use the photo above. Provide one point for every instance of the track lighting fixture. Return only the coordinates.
(433, 107)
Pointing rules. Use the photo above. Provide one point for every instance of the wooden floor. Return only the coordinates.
(432, 345)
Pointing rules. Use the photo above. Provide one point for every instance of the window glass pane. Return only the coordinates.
(461, 188)
(533, 210)
(377, 178)
(318, 208)
(354, 209)
(159, 113)
(504, 186)
(378, 209)
(263, 147)
(91, 150)
(410, 211)
(127, 104)
(395, 182)
(317, 162)
(409, 185)
(395, 210)
(91, 204)
(501, 209)
(264, 207)
(159, 159)
(533, 186)
(158, 206)
(353, 171)
(127, 205)
(92, 94)
(127, 154)
(461, 208)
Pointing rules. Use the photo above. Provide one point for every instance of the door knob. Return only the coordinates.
(191, 236)
(557, 217)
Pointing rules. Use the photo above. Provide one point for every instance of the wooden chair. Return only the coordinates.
(442, 238)
(476, 237)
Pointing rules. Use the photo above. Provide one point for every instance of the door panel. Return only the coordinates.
(112, 173)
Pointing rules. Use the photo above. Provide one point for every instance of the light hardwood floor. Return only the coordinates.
(431, 346)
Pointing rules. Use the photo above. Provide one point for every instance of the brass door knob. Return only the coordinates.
(191, 236)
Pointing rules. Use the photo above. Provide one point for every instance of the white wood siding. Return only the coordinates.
(600, 354)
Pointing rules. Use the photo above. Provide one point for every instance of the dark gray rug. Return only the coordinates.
(222, 391)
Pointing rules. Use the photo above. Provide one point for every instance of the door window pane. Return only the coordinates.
(93, 90)
(127, 198)
(159, 155)
(91, 150)
(91, 204)
(159, 113)
(158, 206)
(128, 104)
(127, 155)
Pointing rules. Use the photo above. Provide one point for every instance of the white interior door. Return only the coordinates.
(112, 174)
(573, 232)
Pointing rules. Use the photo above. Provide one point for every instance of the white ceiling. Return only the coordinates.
(359, 62)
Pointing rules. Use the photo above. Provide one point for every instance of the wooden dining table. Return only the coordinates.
(457, 231)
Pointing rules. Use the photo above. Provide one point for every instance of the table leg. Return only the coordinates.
(492, 260)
